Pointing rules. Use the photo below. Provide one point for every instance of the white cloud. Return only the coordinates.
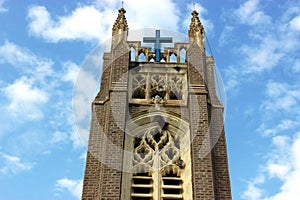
(282, 97)
(80, 136)
(286, 167)
(284, 125)
(278, 169)
(138, 14)
(226, 36)
(278, 164)
(296, 65)
(232, 74)
(284, 164)
(74, 187)
(83, 156)
(46, 152)
(253, 192)
(281, 109)
(282, 160)
(71, 71)
(59, 137)
(94, 22)
(271, 45)
(84, 94)
(25, 98)
(280, 142)
(83, 23)
(295, 23)
(17, 56)
(2, 8)
(262, 57)
(29, 95)
(13, 164)
(250, 13)
(287, 124)
(275, 89)
(22, 58)
(291, 12)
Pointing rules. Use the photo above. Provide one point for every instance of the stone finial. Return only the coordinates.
(120, 24)
(196, 31)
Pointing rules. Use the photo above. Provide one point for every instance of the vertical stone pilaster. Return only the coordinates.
(94, 166)
(202, 169)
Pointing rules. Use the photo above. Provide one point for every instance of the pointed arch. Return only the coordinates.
(132, 54)
(173, 57)
(151, 58)
(171, 182)
(159, 158)
(142, 57)
(182, 55)
(163, 60)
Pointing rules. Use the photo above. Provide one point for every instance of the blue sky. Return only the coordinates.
(256, 45)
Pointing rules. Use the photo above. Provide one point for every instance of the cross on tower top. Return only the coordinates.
(157, 40)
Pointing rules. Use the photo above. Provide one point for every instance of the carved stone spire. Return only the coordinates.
(120, 24)
(196, 31)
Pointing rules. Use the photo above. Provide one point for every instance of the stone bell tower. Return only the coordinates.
(157, 124)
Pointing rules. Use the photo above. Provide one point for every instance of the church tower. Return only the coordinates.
(157, 124)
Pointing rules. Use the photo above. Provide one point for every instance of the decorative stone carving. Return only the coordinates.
(157, 100)
(196, 31)
(120, 24)
(147, 87)
(157, 142)
(139, 86)
(175, 87)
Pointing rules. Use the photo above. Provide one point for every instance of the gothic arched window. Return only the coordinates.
(182, 55)
(132, 54)
(159, 158)
(142, 57)
(173, 58)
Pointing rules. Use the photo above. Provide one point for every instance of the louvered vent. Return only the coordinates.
(172, 186)
(142, 187)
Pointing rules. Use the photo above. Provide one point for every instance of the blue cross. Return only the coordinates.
(157, 40)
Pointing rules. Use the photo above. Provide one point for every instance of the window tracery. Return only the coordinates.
(139, 86)
(146, 86)
(157, 148)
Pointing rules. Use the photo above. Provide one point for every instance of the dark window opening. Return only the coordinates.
(142, 181)
(172, 182)
(140, 190)
(175, 95)
(172, 185)
(139, 93)
(172, 191)
(141, 187)
(137, 142)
